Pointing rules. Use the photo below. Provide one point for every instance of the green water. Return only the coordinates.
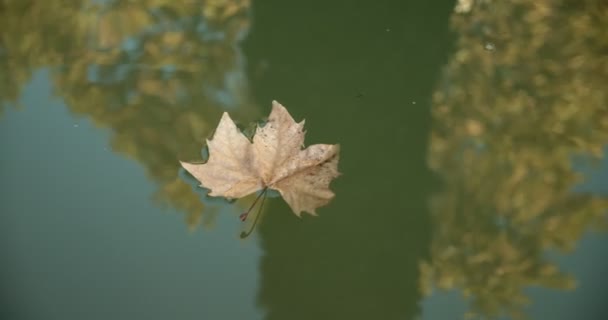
(471, 143)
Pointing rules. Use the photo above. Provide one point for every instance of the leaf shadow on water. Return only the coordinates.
(359, 259)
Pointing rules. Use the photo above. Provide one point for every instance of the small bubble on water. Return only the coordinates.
(75, 125)
(388, 29)
(489, 46)
(413, 102)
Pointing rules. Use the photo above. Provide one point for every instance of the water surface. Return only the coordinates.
(471, 133)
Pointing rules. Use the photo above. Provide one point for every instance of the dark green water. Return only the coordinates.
(471, 145)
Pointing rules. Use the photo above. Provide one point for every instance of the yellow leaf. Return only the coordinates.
(275, 160)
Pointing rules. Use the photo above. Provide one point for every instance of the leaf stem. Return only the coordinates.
(257, 216)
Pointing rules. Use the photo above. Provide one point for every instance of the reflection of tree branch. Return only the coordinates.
(155, 72)
(508, 121)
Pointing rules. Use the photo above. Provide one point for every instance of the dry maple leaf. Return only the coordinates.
(275, 160)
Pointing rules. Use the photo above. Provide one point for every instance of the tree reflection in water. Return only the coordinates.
(507, 124)
(157, 74)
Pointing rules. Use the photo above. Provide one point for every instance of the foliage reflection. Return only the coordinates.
(516, 102)
(158, 74)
